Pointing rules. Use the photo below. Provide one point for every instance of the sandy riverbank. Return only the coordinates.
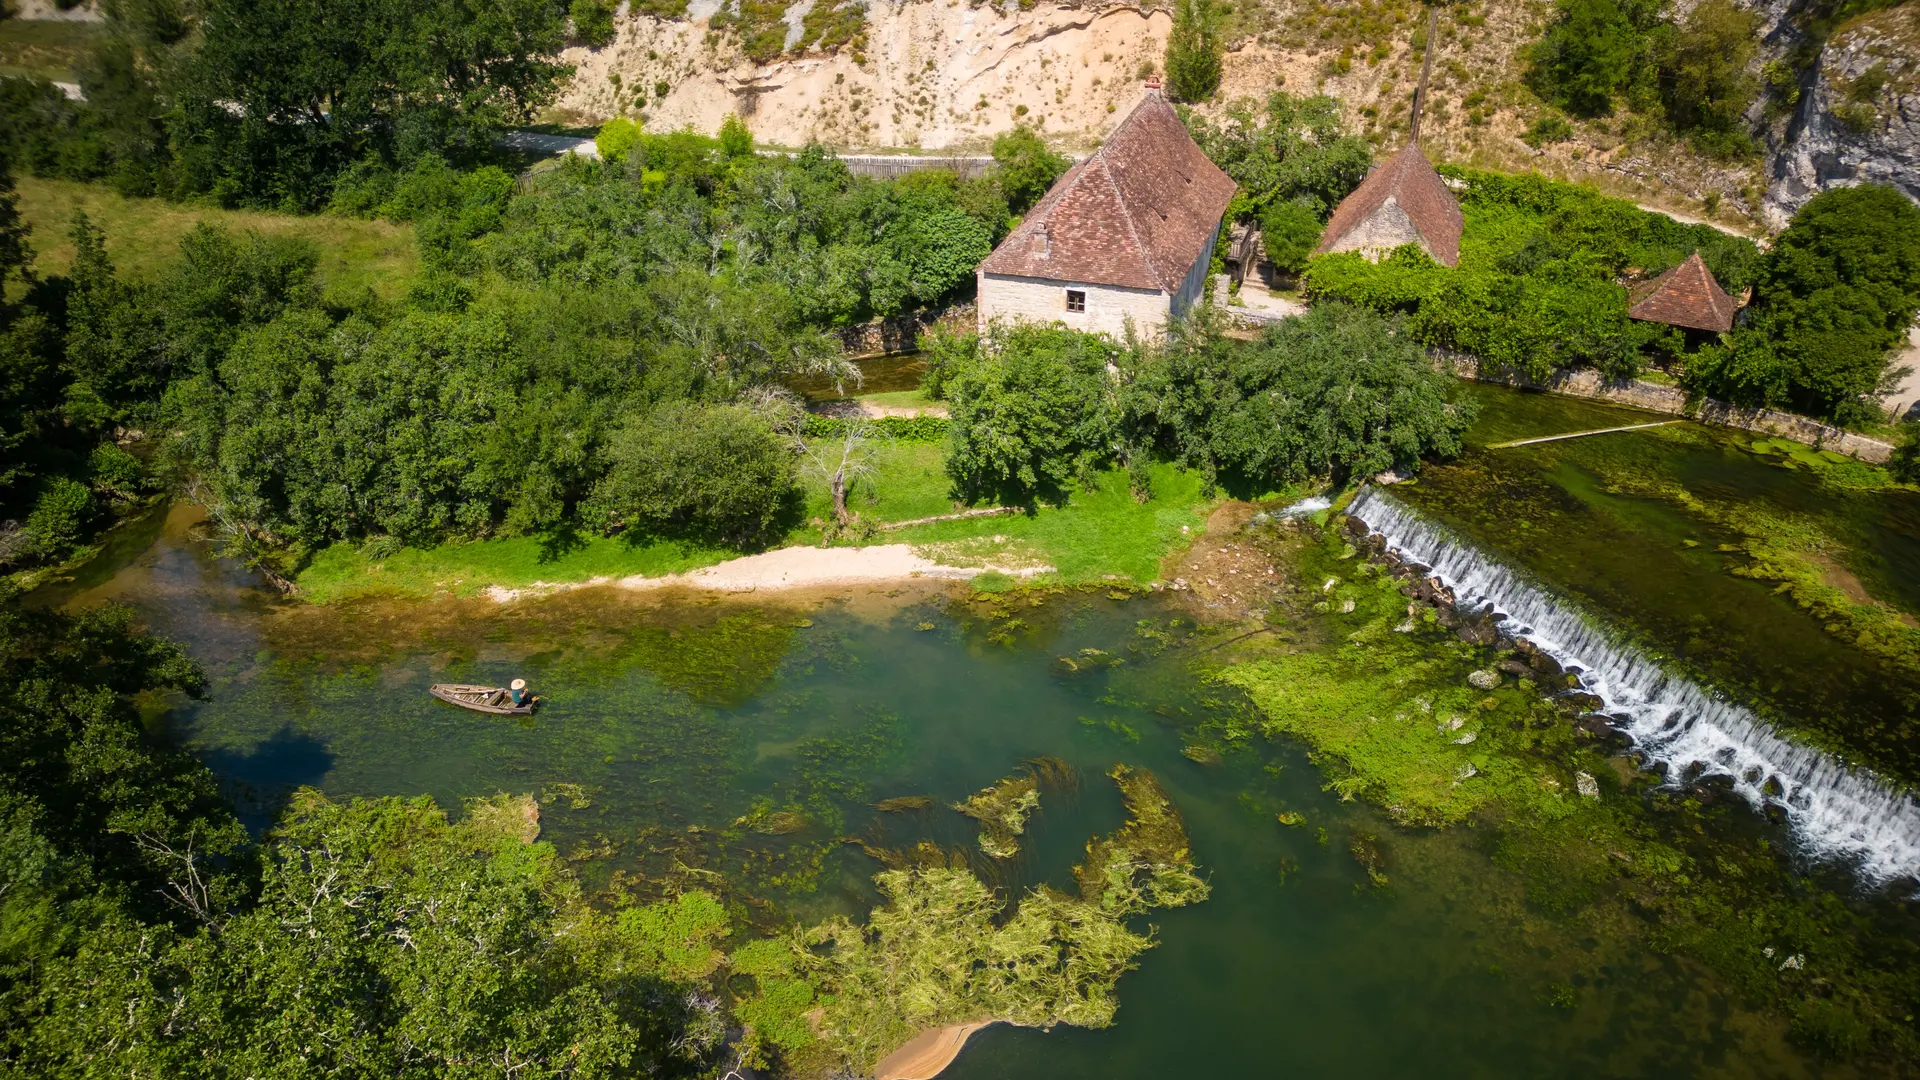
(927, 1054)
(791, 568)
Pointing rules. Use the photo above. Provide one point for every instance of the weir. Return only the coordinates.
(1836, 813)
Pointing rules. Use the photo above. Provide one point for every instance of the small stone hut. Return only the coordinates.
(1686, 296)
(1125, 235)
(1403, 201)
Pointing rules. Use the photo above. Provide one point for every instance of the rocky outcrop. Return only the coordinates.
(1859, 116)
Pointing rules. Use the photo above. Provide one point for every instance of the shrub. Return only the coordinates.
(712, 471)
(1550, 128)
(61, 516)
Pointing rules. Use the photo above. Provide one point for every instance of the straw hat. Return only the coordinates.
(519, 684)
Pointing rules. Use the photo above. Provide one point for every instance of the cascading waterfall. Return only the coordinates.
(1836, 813)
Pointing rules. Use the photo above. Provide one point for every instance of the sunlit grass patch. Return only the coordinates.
(344, 570)
(143, 235)
(1099, 532)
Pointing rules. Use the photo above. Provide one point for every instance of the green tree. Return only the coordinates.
(1289, 231)
(1704, 77)
(1031, 414)
(279, 97)
(1593, 51)
(1195, 48)
(735, 140)
(1339, 393)
(1291, 150)
(1025, 166)
(592, 21)
(616, 138)
(1835, 297)
(715, 471)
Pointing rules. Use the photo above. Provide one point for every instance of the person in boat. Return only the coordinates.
(517, 690)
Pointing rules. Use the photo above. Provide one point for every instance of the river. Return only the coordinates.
(677, 727)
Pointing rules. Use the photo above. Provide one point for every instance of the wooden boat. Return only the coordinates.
(486, 699)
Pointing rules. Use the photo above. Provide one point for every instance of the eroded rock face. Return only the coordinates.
(1860, 121)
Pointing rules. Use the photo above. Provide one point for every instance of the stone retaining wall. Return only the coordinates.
(901, 333)
(1653, 397)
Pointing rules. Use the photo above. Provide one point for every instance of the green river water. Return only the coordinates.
(671, 719)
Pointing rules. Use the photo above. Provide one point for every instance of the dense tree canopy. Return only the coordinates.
(1834, 297)
(1340, 393)
(268, 103)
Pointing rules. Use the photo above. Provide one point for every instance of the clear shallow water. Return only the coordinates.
(1295, 966)
(1572, 517)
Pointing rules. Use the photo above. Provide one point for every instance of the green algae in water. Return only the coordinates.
(1795, 589)
(941, 948)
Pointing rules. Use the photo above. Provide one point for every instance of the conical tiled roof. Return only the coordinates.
(1136, 213)
(1409, 180)
(1686, 295)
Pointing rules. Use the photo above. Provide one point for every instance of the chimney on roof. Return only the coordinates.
(1153, 83)
(1042, 243)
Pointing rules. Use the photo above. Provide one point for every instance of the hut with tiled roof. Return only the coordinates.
(1126, 236)
(1401, 202)
(1686, 296)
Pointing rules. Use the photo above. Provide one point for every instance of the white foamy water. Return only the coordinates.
(1307, 506)
(1836, 813)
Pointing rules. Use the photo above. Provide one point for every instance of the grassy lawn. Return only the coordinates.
(45, 49)
(342, 571)
(143, 235)
(1097, 533)
(909, 481)
(902, 399)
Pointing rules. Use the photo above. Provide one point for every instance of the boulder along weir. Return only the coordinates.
(1837, 813)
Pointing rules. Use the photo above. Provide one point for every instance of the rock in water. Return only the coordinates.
(1486, 679)
(1588, 787)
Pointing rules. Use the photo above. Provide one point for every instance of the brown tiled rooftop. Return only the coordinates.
(1136, 213)
(1687, 296)
(1408, 178)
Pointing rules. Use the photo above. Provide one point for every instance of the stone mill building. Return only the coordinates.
(1125, 236)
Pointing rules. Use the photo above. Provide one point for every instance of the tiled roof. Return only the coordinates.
(1136, 213)
(1408, 178)
(1685, 296)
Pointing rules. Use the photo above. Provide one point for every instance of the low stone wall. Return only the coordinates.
(901, 334)
(1653, 397)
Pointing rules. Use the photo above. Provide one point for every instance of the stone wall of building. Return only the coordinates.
(1380, 232)
(1195, 285)
(1653, 397)
(1043, 301)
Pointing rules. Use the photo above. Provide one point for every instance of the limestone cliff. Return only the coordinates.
(1858, 119)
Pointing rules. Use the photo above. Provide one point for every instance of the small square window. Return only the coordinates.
(1076, 300)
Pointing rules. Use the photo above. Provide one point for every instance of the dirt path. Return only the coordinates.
(791, 568)
(926, 1054)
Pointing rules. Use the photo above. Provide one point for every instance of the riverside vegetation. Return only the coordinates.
(589, 365)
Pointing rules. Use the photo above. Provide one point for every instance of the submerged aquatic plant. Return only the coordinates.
(1002, 810)
(941, 948)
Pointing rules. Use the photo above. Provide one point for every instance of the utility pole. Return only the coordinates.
(1426, 68)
